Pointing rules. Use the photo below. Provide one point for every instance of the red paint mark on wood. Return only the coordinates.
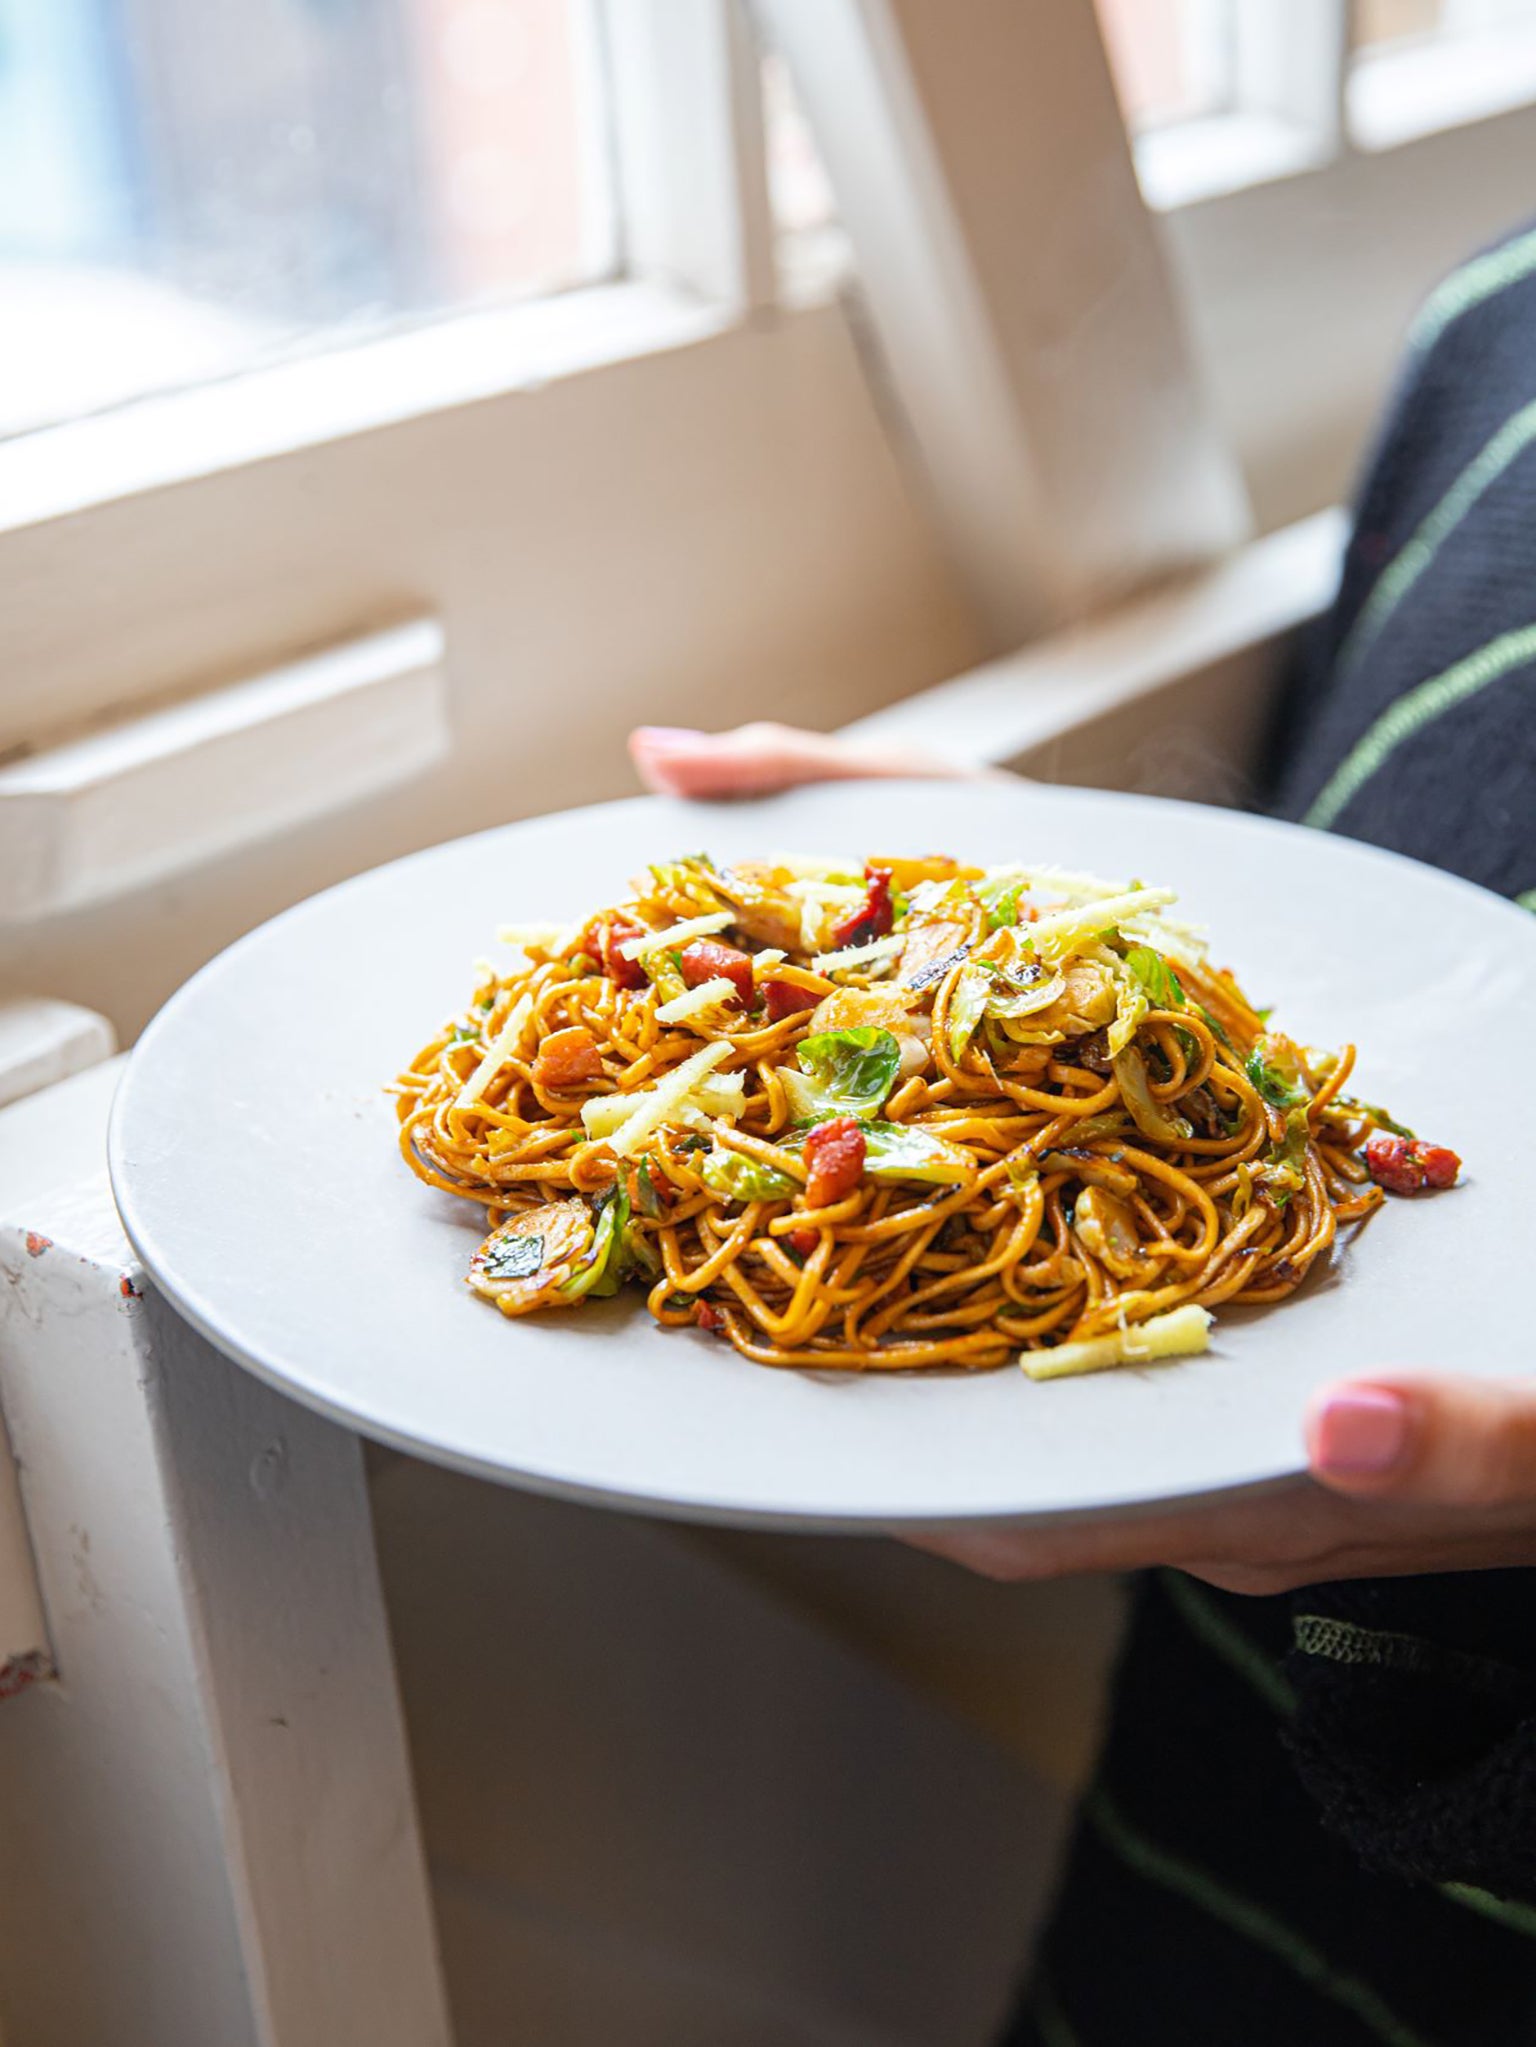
(128, 1290)
(37, 1245)
(17, 1672)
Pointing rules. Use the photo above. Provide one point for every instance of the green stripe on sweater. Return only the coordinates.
(1421, 706)
(1483, 278)
(1249, 1920)
(1205, 1620)
(1406, 567)
(1050, 2020)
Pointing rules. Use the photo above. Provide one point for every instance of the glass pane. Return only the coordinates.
(1172, 59)
(1393, 21)
(1384, 22)
(188, 187)
(798, 187)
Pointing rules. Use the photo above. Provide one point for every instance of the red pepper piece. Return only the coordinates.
(1407, 1165)
(803, 1241)
(709, 1317)
(835, 1154)
(616, 932)
(874, 916)
(705, 961)
(1441, 1165)
(785, 999)
(566, 1059)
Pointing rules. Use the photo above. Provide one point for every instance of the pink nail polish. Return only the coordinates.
(1364, 1430)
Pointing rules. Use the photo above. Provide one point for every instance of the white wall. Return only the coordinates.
(718, 533)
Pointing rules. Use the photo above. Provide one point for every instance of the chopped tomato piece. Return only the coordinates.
(616, 933)
(874, 916)
(785, 999)
(705, 961)
(1406, 1165)
(566, 1059)
(803, 1241)
(709, 1317)
(835, 1154)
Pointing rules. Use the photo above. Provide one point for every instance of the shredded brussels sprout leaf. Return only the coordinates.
(740, 1178)
(842, 1073)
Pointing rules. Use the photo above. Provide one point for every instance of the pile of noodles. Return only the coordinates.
(1140, 1145)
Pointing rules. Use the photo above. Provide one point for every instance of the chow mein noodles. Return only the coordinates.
(893, 1115)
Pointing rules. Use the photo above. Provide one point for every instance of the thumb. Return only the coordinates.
(1425, 1441)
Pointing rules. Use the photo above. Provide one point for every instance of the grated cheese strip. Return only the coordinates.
(548, 937)
(655, 1105)
(1178, 1334)
(808, 867)
(718, 1095)
(859, 955)
(693, 1000)
(497, 1053)
(675, 934)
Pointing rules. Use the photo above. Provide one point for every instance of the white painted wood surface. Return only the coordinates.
(1017, 288)
(214, 1800)
(26, 1657)
(43, 1041)
(1167, 693)
(688, 145)
(96, 815)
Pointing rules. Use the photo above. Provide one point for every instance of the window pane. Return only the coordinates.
(798, 187)
(1172, 59)
(1422, 65)
(1382, 22)
(1392, 21)
(191, 186)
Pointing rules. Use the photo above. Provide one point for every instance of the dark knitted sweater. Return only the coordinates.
(1314, 1818)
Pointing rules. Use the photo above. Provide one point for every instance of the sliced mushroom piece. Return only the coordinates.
(522, 1264)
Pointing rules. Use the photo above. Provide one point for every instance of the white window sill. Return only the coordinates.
(159, 441)
(1193, 160)
(1446, 82)
(1167, 694)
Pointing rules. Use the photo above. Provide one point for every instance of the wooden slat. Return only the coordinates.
(213, 1806)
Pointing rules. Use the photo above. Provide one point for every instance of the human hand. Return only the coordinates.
(762, 759)
(1408, 1473)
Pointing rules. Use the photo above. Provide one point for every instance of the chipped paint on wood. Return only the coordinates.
(18, 1672)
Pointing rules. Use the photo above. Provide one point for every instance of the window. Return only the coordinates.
(189, 187)
(1173, 59)
(1423, 65)
(1226, 93)
(798, 187)
(1321, 165)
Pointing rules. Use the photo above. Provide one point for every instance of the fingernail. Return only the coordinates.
(1365, 1430)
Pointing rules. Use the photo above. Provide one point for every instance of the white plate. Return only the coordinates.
(253, 1157)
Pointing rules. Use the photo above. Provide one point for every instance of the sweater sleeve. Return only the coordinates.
(1415, 1723)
